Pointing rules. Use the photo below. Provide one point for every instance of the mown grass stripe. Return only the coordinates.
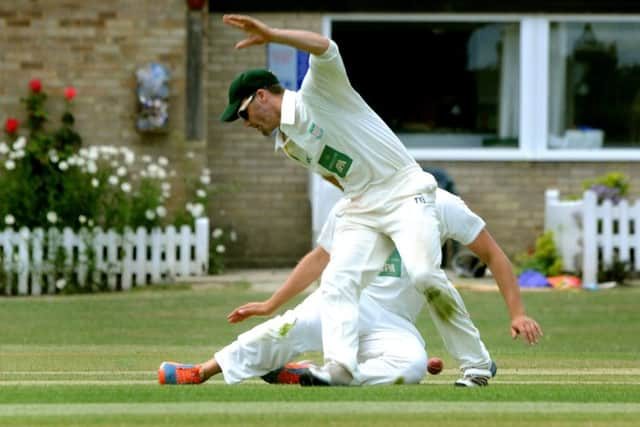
(50, 382)
(45, 410)
(77, 373)
(505, 372)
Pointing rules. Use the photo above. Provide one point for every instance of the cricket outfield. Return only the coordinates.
(91, 360)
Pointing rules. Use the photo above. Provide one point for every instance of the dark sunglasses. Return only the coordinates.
(242, 111)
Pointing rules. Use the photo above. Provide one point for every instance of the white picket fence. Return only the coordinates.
(133, 258)
(589, 234)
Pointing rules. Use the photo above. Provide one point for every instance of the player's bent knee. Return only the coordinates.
(413, 372)
(413, 366)
(417, 369)
(278, 327)
(429, 278)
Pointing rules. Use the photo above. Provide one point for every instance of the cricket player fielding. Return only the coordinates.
(391, 350)
(328, 128)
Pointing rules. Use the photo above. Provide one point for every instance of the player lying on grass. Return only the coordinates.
(391, 349)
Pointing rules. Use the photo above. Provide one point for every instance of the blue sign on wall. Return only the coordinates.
(288, 64)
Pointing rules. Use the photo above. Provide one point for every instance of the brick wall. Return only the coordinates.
(96, 47)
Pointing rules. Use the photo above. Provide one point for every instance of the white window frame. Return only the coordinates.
(534, 88)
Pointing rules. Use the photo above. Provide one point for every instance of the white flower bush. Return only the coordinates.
(51, 180)
(105, 186)
(52, 217)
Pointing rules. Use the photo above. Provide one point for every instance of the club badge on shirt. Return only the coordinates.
(335, 161)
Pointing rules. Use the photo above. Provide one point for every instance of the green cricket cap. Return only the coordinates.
(245, 84)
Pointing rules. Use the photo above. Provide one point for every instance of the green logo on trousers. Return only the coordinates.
(335, 161)
(393, 265)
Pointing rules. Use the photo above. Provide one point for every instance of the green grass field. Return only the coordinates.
(91, 360)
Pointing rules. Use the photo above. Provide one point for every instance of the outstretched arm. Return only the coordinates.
(486, 248)
(258, 33)
(304, 274)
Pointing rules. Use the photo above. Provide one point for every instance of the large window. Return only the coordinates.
(595, 85)
(503, 87)
(438, 84)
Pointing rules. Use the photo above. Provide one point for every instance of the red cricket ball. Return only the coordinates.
(435, 365)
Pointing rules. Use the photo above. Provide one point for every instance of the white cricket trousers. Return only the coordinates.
(460, 336)
(402, 209)
(391, 350)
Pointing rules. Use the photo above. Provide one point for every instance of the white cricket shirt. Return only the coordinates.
(327, 127)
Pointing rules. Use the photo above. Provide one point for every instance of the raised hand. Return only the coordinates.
(258, 33)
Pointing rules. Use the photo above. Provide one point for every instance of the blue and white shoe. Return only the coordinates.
(493, 369)
(474, 377)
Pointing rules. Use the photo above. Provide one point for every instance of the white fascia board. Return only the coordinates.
(488, 155)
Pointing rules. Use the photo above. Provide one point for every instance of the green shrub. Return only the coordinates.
(544, 258)
(49, 179)
(613, 186)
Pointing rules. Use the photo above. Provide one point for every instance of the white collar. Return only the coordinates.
(288, 108)
(287, 117)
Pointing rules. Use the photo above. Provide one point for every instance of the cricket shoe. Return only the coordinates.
(288, 374)
(178, 373)
(474, 377)
(331, 374)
